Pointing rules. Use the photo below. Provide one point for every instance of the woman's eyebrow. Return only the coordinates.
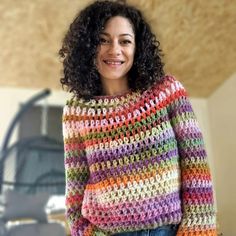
(125, 34)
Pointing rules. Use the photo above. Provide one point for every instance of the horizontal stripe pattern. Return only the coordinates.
(136, 161)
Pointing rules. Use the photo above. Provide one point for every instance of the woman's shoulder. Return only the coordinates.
(71, 102)
(169, 84)
(75, 102)
(168, 81)
(168, 88)
(72, 106)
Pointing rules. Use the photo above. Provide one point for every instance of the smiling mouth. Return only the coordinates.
(113, 62)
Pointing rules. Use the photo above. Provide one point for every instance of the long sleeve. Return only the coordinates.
(77, 174)
(196, 184)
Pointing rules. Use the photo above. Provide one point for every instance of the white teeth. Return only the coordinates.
(114, 62)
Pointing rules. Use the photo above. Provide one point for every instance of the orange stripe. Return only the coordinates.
(123, 180)
(192, 232)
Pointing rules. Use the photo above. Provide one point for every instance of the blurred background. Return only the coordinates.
(198, 41)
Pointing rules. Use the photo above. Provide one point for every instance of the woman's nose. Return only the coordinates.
(114, 49)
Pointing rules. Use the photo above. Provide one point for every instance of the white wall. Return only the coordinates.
(222, 117)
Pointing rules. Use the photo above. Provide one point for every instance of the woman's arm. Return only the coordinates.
(77, 174)
(196, 185)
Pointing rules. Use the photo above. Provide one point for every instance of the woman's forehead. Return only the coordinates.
(118, 25)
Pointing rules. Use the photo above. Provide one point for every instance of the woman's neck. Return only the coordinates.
(115, 87)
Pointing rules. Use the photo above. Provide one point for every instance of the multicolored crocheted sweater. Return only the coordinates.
(136, 161)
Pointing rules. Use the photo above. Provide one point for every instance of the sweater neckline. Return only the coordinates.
(123, 99)
(117, 96)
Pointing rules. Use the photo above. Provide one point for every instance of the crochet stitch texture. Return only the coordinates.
(136, 161)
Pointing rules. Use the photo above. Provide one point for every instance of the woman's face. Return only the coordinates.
(116, 51)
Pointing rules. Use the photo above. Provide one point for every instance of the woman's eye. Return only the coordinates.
(103, 41)
(125, 42)
(122, 42)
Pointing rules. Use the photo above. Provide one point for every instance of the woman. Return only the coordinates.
(134, 155)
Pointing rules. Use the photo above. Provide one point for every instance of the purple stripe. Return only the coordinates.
(70, 184)
(101, 175)
(75, 160)
(116, 153)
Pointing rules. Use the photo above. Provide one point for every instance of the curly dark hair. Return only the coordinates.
(79, 49)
